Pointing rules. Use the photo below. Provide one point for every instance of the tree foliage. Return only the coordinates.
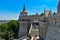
(8, 30)
(13, 26)
(41, 14)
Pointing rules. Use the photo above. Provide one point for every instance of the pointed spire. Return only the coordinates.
(59, 1)
(24, 8)
(59, 4)
(44, 10)
(36, 13)
(50, 9)
(58, 8)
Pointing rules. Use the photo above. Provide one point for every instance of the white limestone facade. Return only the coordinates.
(48, 24)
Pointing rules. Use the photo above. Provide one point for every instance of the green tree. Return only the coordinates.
(8, 30)
(41, 14)
(13, 26)
(3, 30)
(4, 27)
(0, 28)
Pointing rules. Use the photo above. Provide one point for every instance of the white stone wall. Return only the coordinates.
(43, 29)
(22, 30)
(53, 32)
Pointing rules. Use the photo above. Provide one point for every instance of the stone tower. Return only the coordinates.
(58, 7)
(22, 23)
(58, 12)
(23, 13)
(49, 16)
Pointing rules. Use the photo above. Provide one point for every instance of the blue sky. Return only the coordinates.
(10, 9)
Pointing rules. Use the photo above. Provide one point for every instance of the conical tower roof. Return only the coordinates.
(36, 13)
(59, 4)
(24, 8)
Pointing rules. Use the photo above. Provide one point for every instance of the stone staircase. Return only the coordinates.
(33, 32)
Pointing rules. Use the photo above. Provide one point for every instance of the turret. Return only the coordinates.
(58, 12)
(23, 13)
(24, 8)
(58, 7)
